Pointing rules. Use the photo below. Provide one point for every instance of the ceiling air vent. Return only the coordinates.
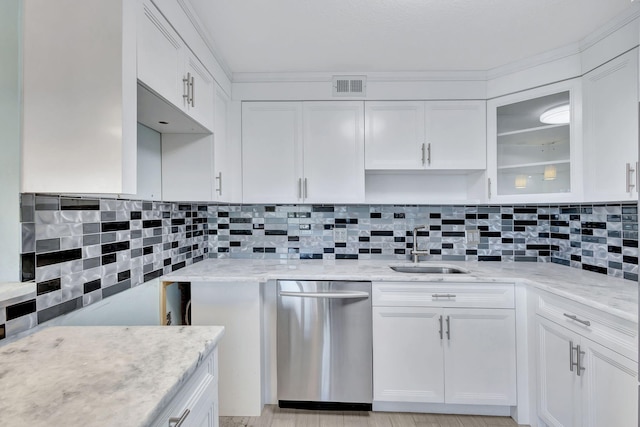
(349, 85)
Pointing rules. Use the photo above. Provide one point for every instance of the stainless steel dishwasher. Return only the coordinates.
(324, 345)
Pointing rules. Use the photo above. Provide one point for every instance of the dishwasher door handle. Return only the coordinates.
(331, 295)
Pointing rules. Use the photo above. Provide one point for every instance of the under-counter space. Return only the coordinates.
(96, 376)
(612, 295)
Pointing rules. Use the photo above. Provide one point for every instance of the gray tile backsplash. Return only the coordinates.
(80, 250)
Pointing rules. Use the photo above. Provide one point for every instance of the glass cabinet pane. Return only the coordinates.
(533, 149)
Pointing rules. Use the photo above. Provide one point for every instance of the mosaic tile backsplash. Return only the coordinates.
(80, 250)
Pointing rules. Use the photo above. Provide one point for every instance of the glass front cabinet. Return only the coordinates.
(533, 145)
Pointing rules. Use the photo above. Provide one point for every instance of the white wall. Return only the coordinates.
(10, 28)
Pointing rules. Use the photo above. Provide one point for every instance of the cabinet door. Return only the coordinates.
(456, 134)
(558, 398)
(333, 152)
(160, 55)
(200, 102)
(202, 405)
(78, 97)
(480, 356)
(407, 355)
(532, 161)
(271, 152)
(220, 135)
(187, 161)
(611, 128)
(610, 389)
(394, 135)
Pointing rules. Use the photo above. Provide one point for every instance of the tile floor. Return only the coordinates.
(272, 416)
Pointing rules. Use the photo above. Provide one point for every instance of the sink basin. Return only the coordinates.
(429, 269)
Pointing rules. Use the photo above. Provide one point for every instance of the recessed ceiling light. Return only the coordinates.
(557, 115)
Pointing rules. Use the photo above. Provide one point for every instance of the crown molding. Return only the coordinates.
(187, 7)
(534, 61)
(390, 76)
(571, 49)
(611, 27)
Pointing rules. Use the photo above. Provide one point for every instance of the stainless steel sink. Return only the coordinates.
(429, 269)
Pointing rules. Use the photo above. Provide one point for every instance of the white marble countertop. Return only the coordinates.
(96, 376)
(612, 295)
(12, 290)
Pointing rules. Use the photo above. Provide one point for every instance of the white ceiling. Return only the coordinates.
(394, 35)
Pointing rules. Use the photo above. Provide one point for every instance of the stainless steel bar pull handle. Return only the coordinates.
(177, 421)
(219, 179)
(423, 155)
(579, 354)
(448, 327)
(429, 154)
(299, 188)
(330, 295)
(488, 188)
(630, 170)
(193, 91)
(440, 331)
(637, 177)
(186, 82)
(443, 295)
(574, 317)
(305, 188)
(571, 348)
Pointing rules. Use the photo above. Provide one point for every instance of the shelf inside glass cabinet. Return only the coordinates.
(532, 157)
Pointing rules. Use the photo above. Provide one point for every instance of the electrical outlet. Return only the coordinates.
(168, 318)
(340, 235)
(473, 237)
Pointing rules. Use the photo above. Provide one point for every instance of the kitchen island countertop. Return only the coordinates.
(610, 294)
(97, 376)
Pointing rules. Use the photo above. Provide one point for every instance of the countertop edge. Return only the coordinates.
(506, 277)
(209, 346)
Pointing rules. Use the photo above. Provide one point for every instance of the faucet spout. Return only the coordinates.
(415, 252)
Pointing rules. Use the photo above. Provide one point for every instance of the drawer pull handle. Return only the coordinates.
(177, 422)
(574, 317)
(443, 295)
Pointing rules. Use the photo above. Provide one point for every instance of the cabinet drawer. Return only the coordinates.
(412, 294)
(617, 334)
(198, 393)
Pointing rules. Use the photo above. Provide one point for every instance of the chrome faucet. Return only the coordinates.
(415, 253)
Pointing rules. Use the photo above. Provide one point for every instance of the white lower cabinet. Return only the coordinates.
(582, 383)
(438, 354)
(586, 365)
(196, 404)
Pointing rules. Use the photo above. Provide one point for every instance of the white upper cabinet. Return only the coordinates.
(529, 159)
(221, 153)
(271, 152)
(169, 68)
(160, 54)
(425, 135)
(611, 130)
(394, 134)
(333, 152)
(303, 152)
(79, 97)
(199, 103)
(194, 166)
(456, 134)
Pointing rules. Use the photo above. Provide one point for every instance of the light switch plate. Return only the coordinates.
(473, 237)
(340, 235)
